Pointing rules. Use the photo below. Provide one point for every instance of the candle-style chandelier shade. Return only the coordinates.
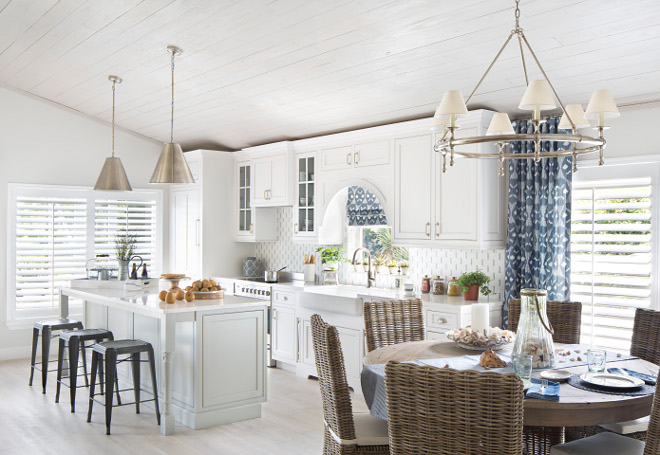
(113, 176)
(537, 97)
(172, 166)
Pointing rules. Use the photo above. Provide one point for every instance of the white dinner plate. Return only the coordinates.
(616, 381)
(556, 375)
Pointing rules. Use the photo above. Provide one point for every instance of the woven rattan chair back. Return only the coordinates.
(653, 435)
(445, 411)
(565, 317)
(392, 322)
(646, 335)
(337, 410)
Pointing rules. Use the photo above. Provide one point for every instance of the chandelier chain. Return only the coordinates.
(172, 104)
(517, 13)
(114, 82)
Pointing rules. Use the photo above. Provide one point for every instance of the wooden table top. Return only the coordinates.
(575, 407)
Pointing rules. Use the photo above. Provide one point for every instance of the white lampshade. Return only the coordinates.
(537, 96)
(500, 124)
(577, 115)
(439, 123)
(601, 102)
(452, 104)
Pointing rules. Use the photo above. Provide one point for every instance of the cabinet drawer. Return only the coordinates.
(284, 297)
(440, 320)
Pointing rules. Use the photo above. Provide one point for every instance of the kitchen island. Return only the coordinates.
(210, 354)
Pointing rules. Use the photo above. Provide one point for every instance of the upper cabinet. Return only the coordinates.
(272, 170)
(360, 155)
(251, 224)
(304, 218)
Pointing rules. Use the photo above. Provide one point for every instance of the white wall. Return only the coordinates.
(43, 143)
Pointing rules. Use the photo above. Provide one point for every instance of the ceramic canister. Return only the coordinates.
(252, 268)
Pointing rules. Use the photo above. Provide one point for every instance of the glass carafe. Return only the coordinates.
(534, 334)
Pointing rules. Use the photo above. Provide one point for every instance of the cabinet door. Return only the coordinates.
(244, 213)
(372, 154)
(304, 224)
(278, 180)
(456, 197)
(233, 358)
(194, 239)
(284, 334)
(351, 343)
(307, 344)
(185, 235)
(413, 189)
(337, 158)
(261, 183)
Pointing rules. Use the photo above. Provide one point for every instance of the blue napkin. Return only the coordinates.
(647, 378)
(551, 391)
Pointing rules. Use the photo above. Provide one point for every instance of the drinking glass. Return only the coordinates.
(522, 365)
(596, 359)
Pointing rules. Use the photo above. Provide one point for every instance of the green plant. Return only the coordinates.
(477, 278)
(365, 262)
(404, 264)
(125, 245)
(380, 259)
(330, 255)
(383, 240)
(392, 263)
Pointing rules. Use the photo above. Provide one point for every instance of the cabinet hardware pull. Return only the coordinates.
(295, 228)
(427, 229)
(442, 321)
(274, 314)
(356, 157)
(348, 159)
(265, 194)
(251, 228)
(297, 340)
(437, 229)
(285, 298)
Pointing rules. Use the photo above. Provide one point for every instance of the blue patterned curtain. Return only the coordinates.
(363, 208)
(539, 219)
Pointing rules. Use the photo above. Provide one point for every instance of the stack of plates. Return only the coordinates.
(612, 381)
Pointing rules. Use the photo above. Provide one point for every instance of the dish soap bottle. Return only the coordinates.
(454, 289)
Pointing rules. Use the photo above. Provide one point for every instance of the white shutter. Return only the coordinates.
(135, 217)
(50, 246)
(611, 261)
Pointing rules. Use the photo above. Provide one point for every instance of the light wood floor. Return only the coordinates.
(31, 422)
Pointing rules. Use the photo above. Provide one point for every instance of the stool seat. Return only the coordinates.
(122, 346)
(86, 334)
(58, 324)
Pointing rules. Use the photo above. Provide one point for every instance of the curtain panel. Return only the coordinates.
(363, 208)
(539, 219)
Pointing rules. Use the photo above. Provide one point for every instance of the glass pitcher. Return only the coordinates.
(534, 334)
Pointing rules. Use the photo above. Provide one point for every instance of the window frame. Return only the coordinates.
(25, 318)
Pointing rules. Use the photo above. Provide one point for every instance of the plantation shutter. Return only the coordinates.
(51, 235)
(138, 218)
(611, 257)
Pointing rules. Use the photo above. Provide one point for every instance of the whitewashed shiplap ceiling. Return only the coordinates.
(256, 71)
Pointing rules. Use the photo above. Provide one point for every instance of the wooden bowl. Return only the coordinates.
(199, 295)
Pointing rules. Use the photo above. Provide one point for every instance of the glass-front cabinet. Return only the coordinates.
(304, 218)
(244, 206)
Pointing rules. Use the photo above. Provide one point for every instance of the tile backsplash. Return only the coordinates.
(423, 261)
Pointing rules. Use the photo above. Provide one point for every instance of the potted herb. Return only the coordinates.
(125, 245)
(380, 262)
(330, 257)
(470, 282)
(393, 267)
(358, 267)
(349, 264)
(405, 266)
(365, 265)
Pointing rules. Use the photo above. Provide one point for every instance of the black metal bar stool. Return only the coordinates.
(107, 352)
(47, 328)
(75, 339)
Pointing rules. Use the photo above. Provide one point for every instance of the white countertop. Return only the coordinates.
(148, 301)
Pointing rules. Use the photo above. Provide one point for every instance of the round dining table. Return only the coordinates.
(576, 407)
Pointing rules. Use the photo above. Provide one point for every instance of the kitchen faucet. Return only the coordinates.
(371, 276)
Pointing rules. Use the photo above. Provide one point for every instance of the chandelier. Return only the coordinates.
(538, 97)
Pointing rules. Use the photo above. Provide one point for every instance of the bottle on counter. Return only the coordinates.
(454, 289)
(398, 281)
(426, 284)
(145, 274)
(438, 286)
(134, 272)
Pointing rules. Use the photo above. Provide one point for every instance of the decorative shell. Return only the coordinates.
(494, 336)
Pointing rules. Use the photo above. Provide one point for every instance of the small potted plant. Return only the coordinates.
(358, 267)
(365, 265)
(380, 262)
(330, 257)
(471, 282)
(394, 268)
(125, 245)
(405, 266)
(349, 265)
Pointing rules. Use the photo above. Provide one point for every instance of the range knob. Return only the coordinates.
(242, 289)
(268, 293)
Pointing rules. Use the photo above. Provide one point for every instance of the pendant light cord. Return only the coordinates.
(114, 82)
(172, 110)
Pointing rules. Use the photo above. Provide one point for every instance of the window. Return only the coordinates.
(612, 249)
(54, 230)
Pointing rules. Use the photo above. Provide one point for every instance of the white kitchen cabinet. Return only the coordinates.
(455, 211)
(304, 212)
(251, 224)
(272, 179)
(358, 155)
(284, 333)
(441, 318)
(185, 225)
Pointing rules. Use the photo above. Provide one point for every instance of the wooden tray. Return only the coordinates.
(209, 295)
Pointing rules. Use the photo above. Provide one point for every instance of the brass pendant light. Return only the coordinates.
(172, 166)
(113, 177)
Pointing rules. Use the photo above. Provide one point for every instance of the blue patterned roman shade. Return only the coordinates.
(539, 219)
(363, 208)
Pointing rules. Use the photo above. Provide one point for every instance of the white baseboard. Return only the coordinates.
(15, 352)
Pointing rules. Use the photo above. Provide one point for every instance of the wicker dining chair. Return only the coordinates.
(444, 411)
(565, 318)
(392, 322)
(608, 443)
(346, 433)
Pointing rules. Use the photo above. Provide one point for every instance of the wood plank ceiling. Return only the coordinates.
(257, 71)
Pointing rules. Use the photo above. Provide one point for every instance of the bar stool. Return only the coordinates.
(107, 352)
(47, 328)
(75, 339)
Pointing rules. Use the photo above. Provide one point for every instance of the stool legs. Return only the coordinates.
(84, 360)
(135, 366)
(45, 350)
(152, 367)
(60, 361)
(110, 366)
(33, 359)
(92, 384)
(74, 351)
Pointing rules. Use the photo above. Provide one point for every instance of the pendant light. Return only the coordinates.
(112, 176)
(172, 166)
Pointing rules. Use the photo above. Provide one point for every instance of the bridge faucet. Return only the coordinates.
(371, 275)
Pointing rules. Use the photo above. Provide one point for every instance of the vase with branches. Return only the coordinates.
(125, 246)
